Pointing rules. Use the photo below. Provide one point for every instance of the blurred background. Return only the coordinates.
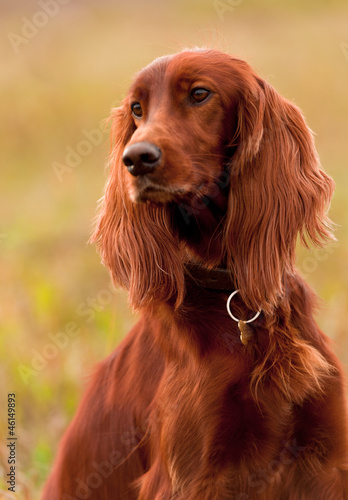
(64, 64)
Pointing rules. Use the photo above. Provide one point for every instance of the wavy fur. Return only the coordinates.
(182, 409)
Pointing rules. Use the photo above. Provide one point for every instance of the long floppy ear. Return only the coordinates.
(135, 240)
(277, 191)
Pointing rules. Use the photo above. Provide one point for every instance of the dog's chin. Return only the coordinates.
(143, 192)
(151, 194)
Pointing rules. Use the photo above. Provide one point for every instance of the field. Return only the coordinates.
(61, 72)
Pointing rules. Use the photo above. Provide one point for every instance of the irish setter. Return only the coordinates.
(213, 175)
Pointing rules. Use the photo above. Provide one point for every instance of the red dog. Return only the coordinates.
(212, 177)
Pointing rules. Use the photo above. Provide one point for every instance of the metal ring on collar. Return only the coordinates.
(233, 317)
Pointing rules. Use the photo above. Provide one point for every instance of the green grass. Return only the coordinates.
(64, 81)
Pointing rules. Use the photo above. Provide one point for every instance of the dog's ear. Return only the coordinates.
(135, 240)
(277, 192)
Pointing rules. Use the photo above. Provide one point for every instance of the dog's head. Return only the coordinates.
(209, 162)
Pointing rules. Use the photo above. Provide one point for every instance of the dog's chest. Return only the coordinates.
(207, 420)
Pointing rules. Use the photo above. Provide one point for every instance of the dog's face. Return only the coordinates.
(179, 138)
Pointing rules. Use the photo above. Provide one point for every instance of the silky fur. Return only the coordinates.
(182, 409)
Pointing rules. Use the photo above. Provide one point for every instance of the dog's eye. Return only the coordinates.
(199, 94)
(136, 109)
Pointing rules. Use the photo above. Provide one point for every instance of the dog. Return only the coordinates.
(225, 388)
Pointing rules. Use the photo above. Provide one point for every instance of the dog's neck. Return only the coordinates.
(199, 224)
(218, 279)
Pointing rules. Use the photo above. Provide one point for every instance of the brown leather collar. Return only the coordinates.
(212, 279)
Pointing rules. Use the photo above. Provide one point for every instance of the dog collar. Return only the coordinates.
(211, 279)
(220, 279)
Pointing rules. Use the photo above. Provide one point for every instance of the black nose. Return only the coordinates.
(141, 158)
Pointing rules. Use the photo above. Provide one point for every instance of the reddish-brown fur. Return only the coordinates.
(182, 409)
